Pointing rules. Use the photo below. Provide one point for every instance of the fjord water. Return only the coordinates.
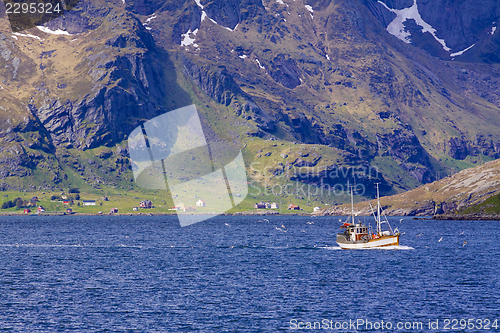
(237, 274)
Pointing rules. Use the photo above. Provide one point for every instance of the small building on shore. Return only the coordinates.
(293, 207)
(88, 202)
(274, 205)
(135, 209)
(200, 203)
(316, 209)
(27, 210)
(40, 209)
(260, 205)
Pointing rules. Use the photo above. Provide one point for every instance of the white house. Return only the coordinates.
(316, 209)
(200, 203)
(88, 202)
(274, 205)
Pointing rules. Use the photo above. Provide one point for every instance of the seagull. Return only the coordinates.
(280, 229)
(283, 226)
(400, 220)
(465, 242)
(227, 224)
(310, 222)
(440, 239)
(463, 232)
(420, 234)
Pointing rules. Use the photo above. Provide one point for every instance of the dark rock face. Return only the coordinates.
(110, 112)
(285, 71)
(217, 83)
(403, 145)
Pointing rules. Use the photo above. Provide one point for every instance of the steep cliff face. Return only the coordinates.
(471, 191)
(358, 76)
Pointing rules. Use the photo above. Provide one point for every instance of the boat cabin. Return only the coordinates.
(356, 232)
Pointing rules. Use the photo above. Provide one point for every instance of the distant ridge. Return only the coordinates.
(456, 194)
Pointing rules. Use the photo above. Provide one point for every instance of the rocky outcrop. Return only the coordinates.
(127, 88)
(217, 83)
(285, 71)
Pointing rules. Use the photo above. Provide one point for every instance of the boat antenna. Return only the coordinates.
(352, 203)
(379, 229)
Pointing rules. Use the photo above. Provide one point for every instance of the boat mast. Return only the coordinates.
(352, 206)
(379, 228)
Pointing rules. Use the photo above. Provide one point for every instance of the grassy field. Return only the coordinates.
(125, 201)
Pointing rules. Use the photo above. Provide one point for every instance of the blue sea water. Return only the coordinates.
(241, 274)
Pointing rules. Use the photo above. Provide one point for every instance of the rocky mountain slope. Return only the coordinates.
(351, 83)
(465, 191)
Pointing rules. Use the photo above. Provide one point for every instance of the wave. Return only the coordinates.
(393, 247)
(69, 245)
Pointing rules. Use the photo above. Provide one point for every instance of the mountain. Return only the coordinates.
(332, 85)
(475, 190)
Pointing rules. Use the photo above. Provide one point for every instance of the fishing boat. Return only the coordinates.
(356, 235)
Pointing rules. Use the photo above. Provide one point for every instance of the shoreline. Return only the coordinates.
(150, 214)
(467, 217)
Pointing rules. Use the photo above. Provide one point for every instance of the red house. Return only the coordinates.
(293, 207)
(27, 210)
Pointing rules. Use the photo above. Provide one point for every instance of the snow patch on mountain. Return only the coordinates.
(310, 9)
(397, 28)
(187, 40)
(149, 19)
(52, 32)
(27, 35)
(456, 54)
(198, 2)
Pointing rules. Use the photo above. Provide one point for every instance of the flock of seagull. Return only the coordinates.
(284, 229)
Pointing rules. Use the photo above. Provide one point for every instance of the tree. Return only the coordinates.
(77, 196)
(74, 190)
(19, 203)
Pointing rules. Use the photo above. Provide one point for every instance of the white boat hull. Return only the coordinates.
(373, 243)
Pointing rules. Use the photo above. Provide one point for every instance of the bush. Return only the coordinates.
(19, 203)
(10, 204)
(77, 196)
(74, 190)
(55, 197)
